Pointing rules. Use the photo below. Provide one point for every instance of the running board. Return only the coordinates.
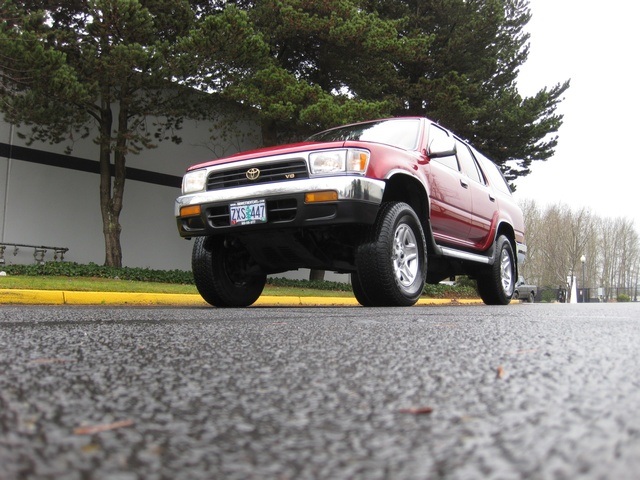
(472, 257)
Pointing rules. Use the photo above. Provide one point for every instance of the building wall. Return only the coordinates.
(52, 199)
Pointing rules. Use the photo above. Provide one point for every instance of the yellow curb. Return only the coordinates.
(124, 298)
(273, 301)
(449, 301)
(54, 297)
(31, 297)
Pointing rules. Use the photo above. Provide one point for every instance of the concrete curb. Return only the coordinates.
(57, 297)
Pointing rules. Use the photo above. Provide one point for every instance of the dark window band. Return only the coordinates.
(84, 165)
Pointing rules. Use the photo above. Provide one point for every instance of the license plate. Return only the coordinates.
(248, 212)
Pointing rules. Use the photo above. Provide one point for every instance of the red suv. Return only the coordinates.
(395, 202)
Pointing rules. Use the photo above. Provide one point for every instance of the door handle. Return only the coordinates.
(492, 198)
(464, 184)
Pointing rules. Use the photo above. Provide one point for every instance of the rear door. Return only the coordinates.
(484, 206)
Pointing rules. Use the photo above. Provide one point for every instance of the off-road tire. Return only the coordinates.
(392, 259)
(496, 284)
(221, 273)
(358, 290)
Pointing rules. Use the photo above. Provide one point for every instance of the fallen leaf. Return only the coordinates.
(523, 351)
(500, 372)
(105, 427)
(91, 448)
(47, 361)
(417, 410)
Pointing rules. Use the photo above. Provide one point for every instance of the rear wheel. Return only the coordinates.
(224, 273)
(392, 261)
(497, 283)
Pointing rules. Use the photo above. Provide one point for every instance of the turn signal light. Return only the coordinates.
(190, 211)
(324, 196)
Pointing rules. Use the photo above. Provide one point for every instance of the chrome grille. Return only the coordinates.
(271, 172)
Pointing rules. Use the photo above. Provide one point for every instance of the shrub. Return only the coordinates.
(315, 284)
(71, 269)
(549, 295)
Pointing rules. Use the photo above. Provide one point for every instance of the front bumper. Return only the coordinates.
(358, 201)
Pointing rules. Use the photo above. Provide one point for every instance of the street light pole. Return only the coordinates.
(583, 259)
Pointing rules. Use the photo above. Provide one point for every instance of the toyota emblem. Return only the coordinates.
(253, 173)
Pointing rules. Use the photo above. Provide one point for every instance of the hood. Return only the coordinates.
(269, 152)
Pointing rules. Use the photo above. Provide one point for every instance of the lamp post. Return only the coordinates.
(583, 259)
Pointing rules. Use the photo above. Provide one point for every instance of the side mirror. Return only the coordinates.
(442, 147)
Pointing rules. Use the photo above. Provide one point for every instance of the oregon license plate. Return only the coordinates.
(248, 212)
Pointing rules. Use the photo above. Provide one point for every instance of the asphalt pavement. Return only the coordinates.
(450, 392)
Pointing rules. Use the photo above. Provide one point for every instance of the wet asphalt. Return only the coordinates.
(462, 392)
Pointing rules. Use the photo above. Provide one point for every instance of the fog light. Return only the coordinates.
(324, 196)
(190, 211)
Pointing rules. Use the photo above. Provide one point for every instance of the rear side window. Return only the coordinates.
(492, 171)
(467, 162)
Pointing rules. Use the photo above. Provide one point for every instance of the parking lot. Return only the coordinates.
(523, 391)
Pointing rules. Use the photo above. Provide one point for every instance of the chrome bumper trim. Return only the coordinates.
(348, 187)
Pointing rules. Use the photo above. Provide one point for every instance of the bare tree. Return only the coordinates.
(564, 243)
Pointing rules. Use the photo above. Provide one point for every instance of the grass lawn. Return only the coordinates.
(91, 284)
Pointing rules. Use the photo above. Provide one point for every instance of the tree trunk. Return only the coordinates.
(111, 192)
(316, 275)
(269, 133)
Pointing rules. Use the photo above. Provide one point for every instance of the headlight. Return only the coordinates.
(195, 181)
(349, 160)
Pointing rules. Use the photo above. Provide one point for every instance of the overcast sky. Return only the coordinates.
(597, 162)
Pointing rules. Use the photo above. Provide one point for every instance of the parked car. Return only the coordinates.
(525, 292)
(394, 202)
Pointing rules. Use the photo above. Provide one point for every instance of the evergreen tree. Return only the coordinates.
(330, 63)
(468, 80)
(300, 65)
(67, 65)
(455, 61)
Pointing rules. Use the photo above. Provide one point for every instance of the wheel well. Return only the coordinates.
(507, 230)
(407, 189)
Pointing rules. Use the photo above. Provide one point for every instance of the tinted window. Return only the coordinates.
(493, 173)
(467, 162)
(401, 133)
(450, 161)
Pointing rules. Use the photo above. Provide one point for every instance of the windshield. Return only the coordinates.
(401, 133)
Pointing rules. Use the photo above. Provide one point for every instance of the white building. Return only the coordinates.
(52, 199)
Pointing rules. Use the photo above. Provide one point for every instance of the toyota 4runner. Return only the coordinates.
(395, 202)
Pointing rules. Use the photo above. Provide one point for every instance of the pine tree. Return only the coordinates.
(67, 65)
(468, 78)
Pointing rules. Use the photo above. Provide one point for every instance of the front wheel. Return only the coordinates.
(392, 261)
(225, 274)
(497, 283)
